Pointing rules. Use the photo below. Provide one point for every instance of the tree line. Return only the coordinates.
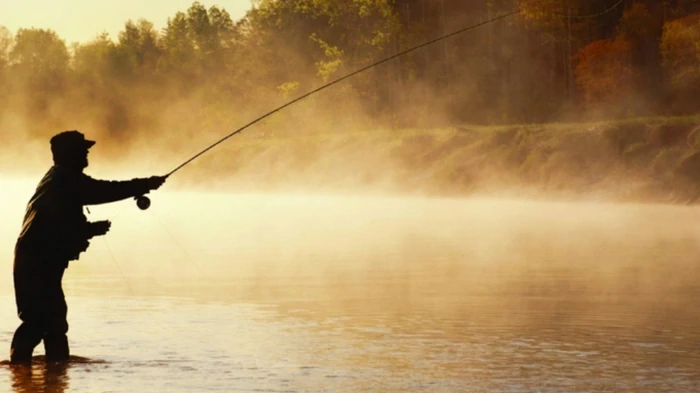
(555, 59)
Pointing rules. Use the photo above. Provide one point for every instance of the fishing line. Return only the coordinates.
(114, 259)
(191, 260)
(131, 290)
(184, 251)
(126, 281)
(118, 213)
(174, 239)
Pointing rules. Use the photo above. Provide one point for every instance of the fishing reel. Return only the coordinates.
(143, 202)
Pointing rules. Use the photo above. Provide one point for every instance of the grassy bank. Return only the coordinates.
(650, 159)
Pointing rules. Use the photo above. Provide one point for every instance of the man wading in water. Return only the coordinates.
(55, 231)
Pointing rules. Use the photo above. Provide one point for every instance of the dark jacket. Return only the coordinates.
(55, 228)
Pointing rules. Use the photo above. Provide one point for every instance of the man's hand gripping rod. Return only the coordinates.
(142, 201)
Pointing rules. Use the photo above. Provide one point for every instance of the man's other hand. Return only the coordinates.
(100, 228)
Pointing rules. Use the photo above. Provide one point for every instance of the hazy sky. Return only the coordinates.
(82, 20)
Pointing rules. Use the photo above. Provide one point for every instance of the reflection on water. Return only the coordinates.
(187, 343)
(51, 378)
(348, 295)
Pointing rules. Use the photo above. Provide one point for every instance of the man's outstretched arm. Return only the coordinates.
(95, 192)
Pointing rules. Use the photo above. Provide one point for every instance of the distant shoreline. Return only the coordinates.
(642, 160)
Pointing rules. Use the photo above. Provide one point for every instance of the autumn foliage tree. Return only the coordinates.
(204, 71)
(680, 50)
(604, 72)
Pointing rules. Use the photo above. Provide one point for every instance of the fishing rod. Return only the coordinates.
(143, 202)
(312, 92)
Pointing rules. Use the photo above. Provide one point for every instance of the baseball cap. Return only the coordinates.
(69, 140)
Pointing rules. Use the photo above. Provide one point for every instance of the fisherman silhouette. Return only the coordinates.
(55, 232)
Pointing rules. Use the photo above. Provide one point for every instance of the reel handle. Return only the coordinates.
(142, 201)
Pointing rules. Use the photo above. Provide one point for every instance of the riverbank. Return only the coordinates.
(655, 159)
(643, 160)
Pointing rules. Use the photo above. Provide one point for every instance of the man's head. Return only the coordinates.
(70, 148)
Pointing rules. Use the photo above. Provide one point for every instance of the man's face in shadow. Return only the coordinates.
(76, 157)
(71, 149)
(83, 157)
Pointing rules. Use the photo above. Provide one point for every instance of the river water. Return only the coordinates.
(324, 293)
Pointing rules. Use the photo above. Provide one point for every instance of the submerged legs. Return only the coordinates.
(42, 307)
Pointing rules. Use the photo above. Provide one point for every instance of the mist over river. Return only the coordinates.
(339, 293)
